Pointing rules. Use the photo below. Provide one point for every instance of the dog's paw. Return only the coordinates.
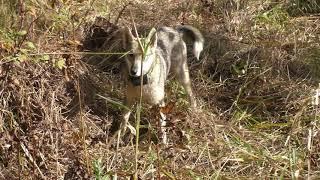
(164, 138)
(132, 129)
(126, 125)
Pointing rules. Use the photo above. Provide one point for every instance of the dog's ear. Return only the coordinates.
(127, 37)
(152, 37)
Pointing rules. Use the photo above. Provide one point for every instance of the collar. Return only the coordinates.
(136, 80)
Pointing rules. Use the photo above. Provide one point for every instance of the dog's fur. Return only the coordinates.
(166, 53)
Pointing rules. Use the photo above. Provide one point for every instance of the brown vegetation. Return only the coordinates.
(255, 84)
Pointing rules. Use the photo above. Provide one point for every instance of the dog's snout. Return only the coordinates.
(134, 70)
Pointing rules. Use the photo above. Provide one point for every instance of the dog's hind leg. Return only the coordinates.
(184, 79)
(181, 70)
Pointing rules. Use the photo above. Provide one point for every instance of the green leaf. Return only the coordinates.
(60, 64)
(30, 45)
(22, 57)
(22, 33)
(45, 58)
(24, 51)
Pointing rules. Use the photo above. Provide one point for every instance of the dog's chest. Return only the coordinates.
(153, 91)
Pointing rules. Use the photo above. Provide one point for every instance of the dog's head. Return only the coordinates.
(141, 52)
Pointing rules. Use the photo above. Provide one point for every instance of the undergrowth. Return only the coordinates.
(256, 85)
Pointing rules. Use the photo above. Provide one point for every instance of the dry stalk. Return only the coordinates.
(83, 129)
(138, 111)
(27, 153)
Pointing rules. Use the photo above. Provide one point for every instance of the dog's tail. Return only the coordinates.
(189, 32)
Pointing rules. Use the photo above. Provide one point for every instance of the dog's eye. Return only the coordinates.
(131, 55)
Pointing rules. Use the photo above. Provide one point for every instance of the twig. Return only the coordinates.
(114, 102)
(138, 113)
(79, 53)
(19, 44)
(21, 12)
(82, 127)
(121, 12)
(158, 159)
(27, 153)
(85, 14)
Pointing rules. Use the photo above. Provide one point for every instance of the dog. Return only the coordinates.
(151, 59)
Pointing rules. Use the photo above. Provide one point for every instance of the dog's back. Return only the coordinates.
(172, 46)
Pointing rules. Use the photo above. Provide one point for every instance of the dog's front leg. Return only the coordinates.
(163, 125)
(163, 128)
(125, 119)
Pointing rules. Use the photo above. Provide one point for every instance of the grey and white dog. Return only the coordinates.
(154, 57)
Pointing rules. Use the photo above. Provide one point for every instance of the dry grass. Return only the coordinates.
(254, 84)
